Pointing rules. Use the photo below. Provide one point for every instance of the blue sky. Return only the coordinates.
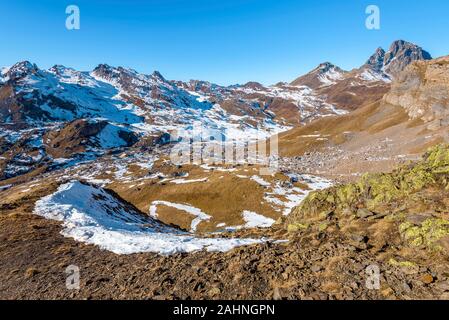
(225, 41)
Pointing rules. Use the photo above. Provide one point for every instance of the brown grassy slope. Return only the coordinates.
(351, 93)
(224, 196)
(371, 118)
(417, 100)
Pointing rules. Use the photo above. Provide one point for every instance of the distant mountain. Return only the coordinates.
(381, 66)
(325, 74)
(389, 64)
(348, 90)
(411, 115)
(396, 59)
(61, 115)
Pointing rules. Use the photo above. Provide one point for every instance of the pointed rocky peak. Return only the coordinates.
(401, 54)
(376, 61)
(389, 64)
(401, 48)
(158, 76)
(103, 70)
(21, 70)
(326, 66)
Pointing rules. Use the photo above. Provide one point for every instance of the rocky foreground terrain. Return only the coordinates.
(357, 209)
(397, 222)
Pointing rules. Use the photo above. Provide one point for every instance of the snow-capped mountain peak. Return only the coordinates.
(325, 74)
(21, 70)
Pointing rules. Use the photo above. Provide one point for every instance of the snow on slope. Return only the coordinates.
(294, 196)
(308, 102)
(150, 103)
(199, 215)
(153, 89)
(109, 137)
(3, 74)
(330, 77)
(65, 94)
(94, 216)
(373, 76)
(255, 220)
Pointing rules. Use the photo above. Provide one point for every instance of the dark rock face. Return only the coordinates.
(399, 56)
(254, 85)
(376, 61)
(77, 136)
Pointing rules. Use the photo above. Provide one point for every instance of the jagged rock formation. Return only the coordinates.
(350, 90)
(423, 91)
(391, 63)
(401, 54)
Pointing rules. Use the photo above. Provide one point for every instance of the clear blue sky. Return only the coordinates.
(225, 41)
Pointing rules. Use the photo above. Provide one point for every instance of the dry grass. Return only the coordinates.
(293, 142)
(224, 196)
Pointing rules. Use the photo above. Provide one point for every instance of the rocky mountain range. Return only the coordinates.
(124, 107)
(86, 177)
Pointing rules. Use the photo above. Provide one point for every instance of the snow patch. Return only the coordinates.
(261, 181)
(183, 181)
(200, 215)
(255, 220)
(109, 137)
(5, 187)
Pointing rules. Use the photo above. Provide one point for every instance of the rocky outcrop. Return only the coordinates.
(423, 91)
(20, 70)
(82, 135)
(376, 61)
(400, 55)
(391, 63)
(413, 197)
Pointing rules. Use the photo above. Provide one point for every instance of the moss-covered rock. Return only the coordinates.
(404, 187)
(295, 227)
(427, 234)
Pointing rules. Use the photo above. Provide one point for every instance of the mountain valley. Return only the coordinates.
(87, 178)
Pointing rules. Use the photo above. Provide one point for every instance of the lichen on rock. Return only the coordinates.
(406, 188)
(427, 234)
